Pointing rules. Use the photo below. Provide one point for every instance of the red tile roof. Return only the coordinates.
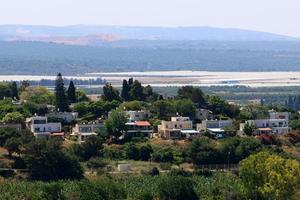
(142, 123)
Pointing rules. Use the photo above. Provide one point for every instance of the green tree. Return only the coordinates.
(203, 151)
(6, 133)
(176, 188)
(185, 107)
(38, 95)
(61, 99)
(72, 93)
(46, 160)
(91, 147)
(136, 91)
(14, 91)
(81, 96)
(248, 129)
(116, 123)
(110, 93)
(162, 109)
(270, 176)
(145, 152)
(133, 105)
(125, 90)
(12, 145)
(192, 93)
(132, 151)
(13, 117)
(5, 90)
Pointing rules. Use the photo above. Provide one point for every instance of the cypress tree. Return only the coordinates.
(72, 93)
(136, 91)
(125, 91)
(14, 91)
(60, 94)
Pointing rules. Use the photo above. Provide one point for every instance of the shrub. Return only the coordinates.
(176, 188)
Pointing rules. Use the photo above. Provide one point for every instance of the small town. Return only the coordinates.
(66, 134)
(149, 100)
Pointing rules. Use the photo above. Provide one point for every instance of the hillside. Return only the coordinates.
(41, 33)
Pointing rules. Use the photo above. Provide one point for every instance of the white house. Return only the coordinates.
(66, 116)
(215, 127)
(85, 130)
(210, 124)
(279, 115)
(40, 127)
(173, 129)
(275, 126)
(137, 115)
(277, 123)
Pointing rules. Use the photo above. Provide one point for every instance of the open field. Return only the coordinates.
(179, 78)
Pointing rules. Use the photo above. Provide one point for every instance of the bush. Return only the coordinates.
(154, 171)
(163, 155)
(176, 188)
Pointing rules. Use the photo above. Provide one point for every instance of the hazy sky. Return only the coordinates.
(278, 16)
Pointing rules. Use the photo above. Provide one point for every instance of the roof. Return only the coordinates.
(142, 123)
(216, 130)
(87, 134)
(189, 131)
(264, 129)
(58, 134)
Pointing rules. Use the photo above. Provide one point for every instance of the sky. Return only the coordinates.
(276, 16)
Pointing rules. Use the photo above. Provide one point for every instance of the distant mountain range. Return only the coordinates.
(92, 35)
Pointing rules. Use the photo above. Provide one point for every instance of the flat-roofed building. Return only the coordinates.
(137, 115)
(139, 129)
(172, 129)
(40, 127)
(85, 130)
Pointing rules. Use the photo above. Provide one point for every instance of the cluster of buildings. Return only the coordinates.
(138, 125)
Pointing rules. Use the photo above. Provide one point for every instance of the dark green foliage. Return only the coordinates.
(110, 93)
(61, 99)
(96, 109)
(145, 152)
(248, 129)
(12, 145)
(5, 90)
(14, 91)
(194, 94)
(203, 151)
(132, 151)
(136, 91)
(176, 188)
(220, 106)
(72, 93)
(105, 189)
(163, 155)
(33, 108)
(162, 109)
(7, 133)
(46, 161)
(88, 149)
(125, 91)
